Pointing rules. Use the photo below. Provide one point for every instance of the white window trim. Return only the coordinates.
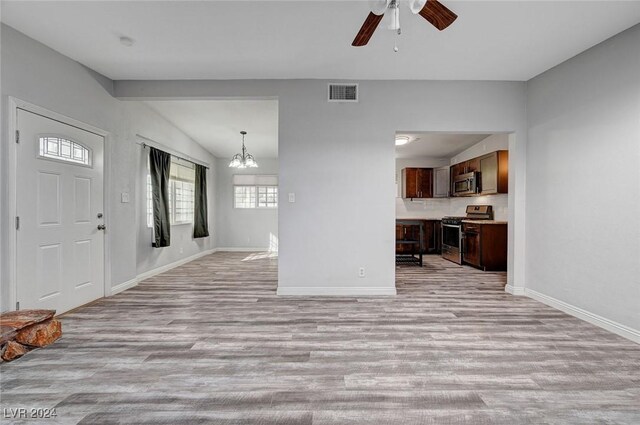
(173, 205)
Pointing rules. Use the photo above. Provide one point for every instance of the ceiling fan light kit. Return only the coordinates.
(433, 11)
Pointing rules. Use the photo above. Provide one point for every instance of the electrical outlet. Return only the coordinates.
(292, 197)
(181, 250)
(361, 272)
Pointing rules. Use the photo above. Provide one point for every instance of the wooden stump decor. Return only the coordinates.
(24, 330)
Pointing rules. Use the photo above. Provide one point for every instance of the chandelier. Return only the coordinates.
(243, 160)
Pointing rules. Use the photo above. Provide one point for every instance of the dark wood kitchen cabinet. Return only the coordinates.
(465, 167)
(417, 182)
(430, 241)
(456, 170)
(494, 173)
(485, 245)
(471, 252)
(493, 168)
(473, 165)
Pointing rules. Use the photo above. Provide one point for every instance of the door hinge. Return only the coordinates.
(17, 223)
(17, 305)
(17, 136)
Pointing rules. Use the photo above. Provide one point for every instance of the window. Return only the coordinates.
(267, 197)
(255, 191)
(245, 196)
(182, 176)
(60, 149)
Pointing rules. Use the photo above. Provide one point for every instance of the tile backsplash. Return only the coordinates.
(437, 208)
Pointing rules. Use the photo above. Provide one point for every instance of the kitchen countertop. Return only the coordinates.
(414, 219)
(484, 222)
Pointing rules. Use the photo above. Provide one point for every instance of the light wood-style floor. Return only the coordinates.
(210, 342)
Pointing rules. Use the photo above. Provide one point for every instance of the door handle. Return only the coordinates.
(102, 227)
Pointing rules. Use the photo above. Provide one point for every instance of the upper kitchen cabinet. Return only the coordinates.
(465, 167)
(441, 182)
(494, 173)
(417, 183)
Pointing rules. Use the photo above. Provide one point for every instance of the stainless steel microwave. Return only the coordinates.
(466, 184)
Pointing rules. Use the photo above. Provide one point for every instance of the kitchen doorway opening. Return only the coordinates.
(452, 207)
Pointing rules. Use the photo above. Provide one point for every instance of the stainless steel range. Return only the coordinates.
(452, 230)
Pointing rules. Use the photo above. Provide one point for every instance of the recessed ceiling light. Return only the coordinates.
(402, 140)
(127, 41)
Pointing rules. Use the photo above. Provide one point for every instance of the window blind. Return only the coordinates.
(255, 180)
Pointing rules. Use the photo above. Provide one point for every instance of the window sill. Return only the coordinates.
(182, 224)
(173, 225)
(255, 208)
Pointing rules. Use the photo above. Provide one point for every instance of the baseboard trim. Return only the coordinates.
(167, 267)
(124, 286)
(241, 249)
(514, 290)
(594, 319)
(150, 273)
(357, 291)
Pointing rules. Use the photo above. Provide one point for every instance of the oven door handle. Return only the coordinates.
(457, 226)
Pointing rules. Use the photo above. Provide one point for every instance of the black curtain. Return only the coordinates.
(200, 216)
(159, 166)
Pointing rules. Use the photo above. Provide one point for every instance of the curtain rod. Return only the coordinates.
(154, 144)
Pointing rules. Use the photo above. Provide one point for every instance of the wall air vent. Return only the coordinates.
(343, 92)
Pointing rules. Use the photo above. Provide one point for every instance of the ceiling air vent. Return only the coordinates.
(343, 92)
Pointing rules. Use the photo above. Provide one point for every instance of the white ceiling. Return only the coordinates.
(216, 124)
(491, 40)
(436, 145)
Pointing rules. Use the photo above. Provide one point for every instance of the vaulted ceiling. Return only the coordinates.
(491, 40)
(216, 124)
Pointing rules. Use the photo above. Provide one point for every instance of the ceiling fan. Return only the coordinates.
(432, 10)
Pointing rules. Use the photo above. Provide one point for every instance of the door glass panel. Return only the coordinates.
(64, 150)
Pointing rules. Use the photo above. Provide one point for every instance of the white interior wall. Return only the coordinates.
(338, 159)
(239, 228)
(39, 75)
(583, 184)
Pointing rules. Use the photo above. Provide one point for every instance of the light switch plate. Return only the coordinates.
(124, 197)
(292, 197)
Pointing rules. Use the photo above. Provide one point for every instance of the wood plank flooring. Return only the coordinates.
(210, 342)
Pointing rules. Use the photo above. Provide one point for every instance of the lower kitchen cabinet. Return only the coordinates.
(485, 245)
(430, 241)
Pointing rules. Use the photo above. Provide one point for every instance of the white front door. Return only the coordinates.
(60, 257)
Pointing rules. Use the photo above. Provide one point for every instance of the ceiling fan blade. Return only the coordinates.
(366, 31)
(438, 15)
